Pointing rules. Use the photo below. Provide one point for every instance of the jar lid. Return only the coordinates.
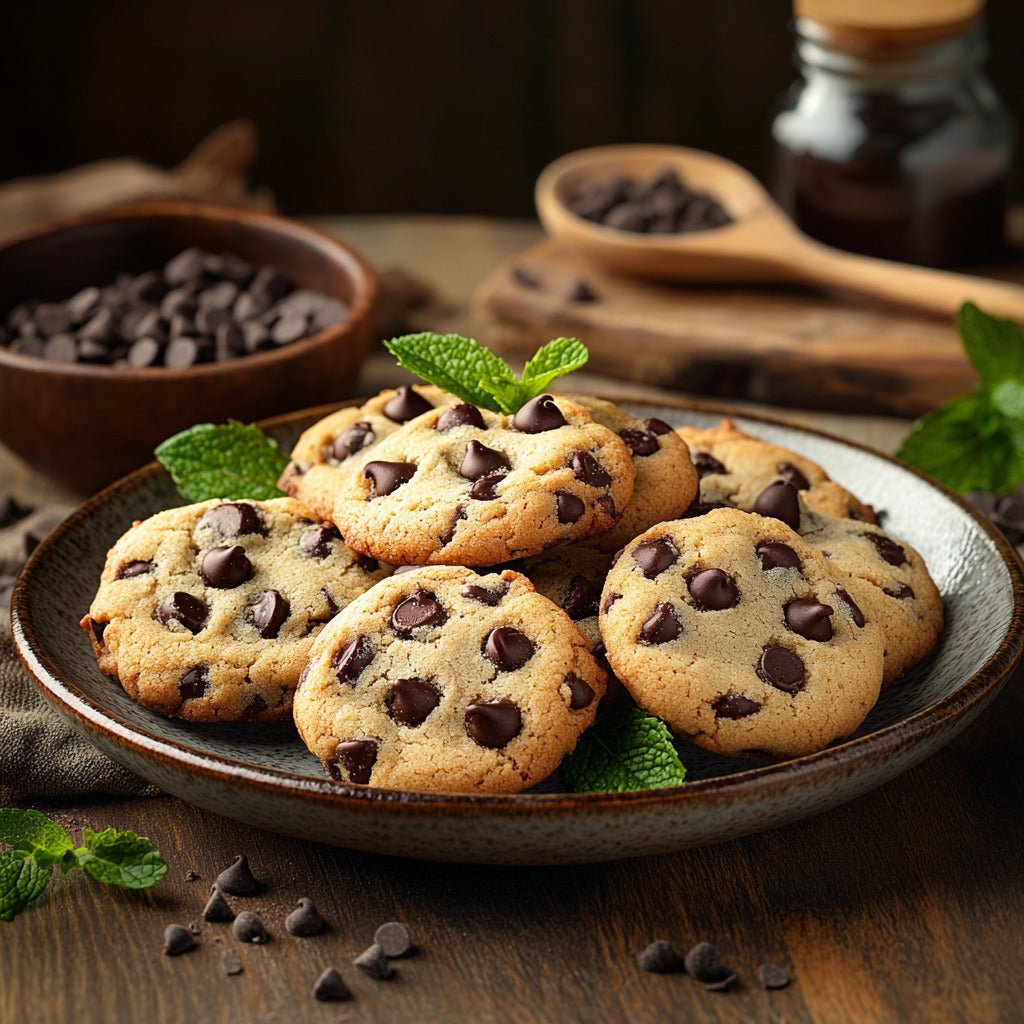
(892, 21)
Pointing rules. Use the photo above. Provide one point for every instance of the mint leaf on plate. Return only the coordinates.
(229, 460)
(625, 749)
(121, 858)
(473, 373)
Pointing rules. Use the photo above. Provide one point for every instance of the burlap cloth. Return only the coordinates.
(40, 757)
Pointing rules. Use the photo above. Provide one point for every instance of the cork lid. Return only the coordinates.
(889, 21)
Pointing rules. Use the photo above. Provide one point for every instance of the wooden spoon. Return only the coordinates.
(762, 243)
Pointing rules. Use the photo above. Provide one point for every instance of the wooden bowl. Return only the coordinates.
(86, 425)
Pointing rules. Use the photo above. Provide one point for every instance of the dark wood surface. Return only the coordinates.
(903, 906)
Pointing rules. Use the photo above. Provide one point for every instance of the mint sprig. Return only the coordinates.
(227, 460)
(464, 368)
(975, 442)
(625, 749)
(37, 844)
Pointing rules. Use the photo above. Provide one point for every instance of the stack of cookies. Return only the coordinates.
(448, 593)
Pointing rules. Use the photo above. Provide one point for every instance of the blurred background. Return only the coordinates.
(447, 106)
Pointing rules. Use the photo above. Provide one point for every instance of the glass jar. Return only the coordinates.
(895, 144)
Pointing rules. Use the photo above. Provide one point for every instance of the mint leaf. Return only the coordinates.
(454, 363)
(22, 882)
(34, 835)
(229, 460)
(121, 858)
(625, 749)
(476, 375)
(969, 445)
(995, 347)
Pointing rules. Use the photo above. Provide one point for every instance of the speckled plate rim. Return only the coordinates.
(927, 729)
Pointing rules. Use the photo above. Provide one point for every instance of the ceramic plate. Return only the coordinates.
(265, 776)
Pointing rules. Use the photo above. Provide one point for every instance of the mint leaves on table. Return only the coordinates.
(976, 441)
(227, 460)
(625, 749)
(473, 373)
(37, 844)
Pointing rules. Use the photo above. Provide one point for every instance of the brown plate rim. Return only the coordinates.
(973, 693)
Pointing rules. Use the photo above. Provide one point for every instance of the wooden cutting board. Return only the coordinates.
(785, 345)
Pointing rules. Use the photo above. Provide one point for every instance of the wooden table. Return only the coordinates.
(906, 905)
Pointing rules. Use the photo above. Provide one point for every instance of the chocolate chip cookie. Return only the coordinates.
(337, 442)
(207, 612)
(735, 469)
(440, 680)
(738, 635)
(666, 478)
(465, 486)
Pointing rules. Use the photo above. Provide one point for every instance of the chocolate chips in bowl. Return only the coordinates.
(126, 326)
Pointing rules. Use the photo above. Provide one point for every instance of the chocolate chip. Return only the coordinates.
(61, 348)
(138, 567)
(779, 501)
(580, 291)
(144, 352)
(606, 503)
(187, 265)
(181, 353)
(7, 585)
(485, 489)
(538, 415)
(639, 442)
(357, 757)
(247, 927)
(782, 668)
(655, 556)
(177, 940)
(459, 416)
(703, 964)
(568, 507)
(772, 976)
(508, 648)
(269, 613)
(809, 619)
(589, 471)
(255, 705)
(184, 608)
(888, 550)
(660, 957)
(655, 426)
(226, 567)
(230, 964)
(394, 939)
(525, 277)
(900, 591)
(388, 476)
(305, 919)
(855, 613)
(238, 879)
(419, 609)
(82, 303)
(662, 625)
(774, 554)
(353, 657)
(480, 461)
(705, 463)
(581, 693)
(217, 908)
(609, 601)
(406, 404)
(52, 318)
(473, 592)
(493, 723)
(582, 598)
(792, 475)
(233, 519)
(195, 682)
(458, 516)
(330, 987)
(410, 701)
(318, 542)
(714, 590)
(354, 439)
(734, 705)
(374, 961)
